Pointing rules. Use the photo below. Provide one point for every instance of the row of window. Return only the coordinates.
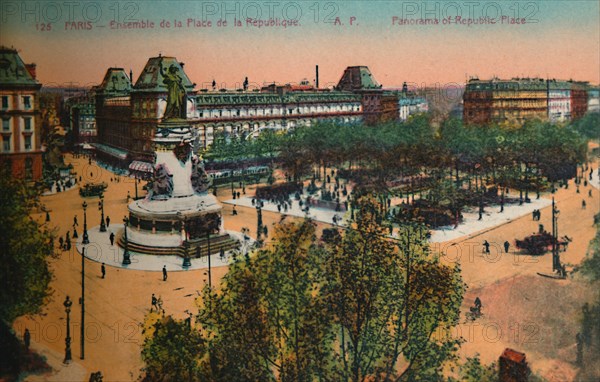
(217, 113)
(26, 101)
(27, 124)
(6, 146)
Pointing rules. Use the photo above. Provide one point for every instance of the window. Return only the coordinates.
(5, 144)
(27, 102)
(28, 168)
(4, 102)
(27, 123)
(28, 142)
(5, 124)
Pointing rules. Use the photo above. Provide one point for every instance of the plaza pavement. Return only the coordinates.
(100, 251)
(116, 305)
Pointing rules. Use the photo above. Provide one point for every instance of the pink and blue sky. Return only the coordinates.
(560, 39)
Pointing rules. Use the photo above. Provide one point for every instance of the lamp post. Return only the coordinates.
(86, 240)
(186, 257)
(126, 255)
(82, 302)
(67, 305)
(101, 208)
(209, 270)
(555, 256)
(136, 186)
(259, 219)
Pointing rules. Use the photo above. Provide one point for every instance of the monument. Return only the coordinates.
(178, 216)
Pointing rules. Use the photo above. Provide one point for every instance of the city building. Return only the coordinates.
(593, 100)
(410, 103)
(128, 116)
(82, 118)
(520, 99)
(21, 150)
(378, 105)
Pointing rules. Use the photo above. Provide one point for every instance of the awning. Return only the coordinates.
(140, 166)
(112, 151)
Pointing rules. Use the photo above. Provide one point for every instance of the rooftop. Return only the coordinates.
(152, 78)
(13, 71)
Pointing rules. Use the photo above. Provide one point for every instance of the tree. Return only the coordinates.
(25, 250)
(388, 302)
(172, 352)
(267, 322)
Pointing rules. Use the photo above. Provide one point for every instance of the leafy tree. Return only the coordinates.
(172, 352)
(25, 250)
(267, 321)
(388, 302)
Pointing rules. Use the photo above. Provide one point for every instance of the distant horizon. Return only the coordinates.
(559, 39)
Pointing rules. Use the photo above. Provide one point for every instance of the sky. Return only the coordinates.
(425, 43)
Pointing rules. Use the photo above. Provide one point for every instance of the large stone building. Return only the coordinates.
(520, 99)
(21, 150)
(129, 116)
(82, 118)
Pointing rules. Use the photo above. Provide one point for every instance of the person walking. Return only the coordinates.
(164, 271)
(27, 339)
(234, 210)
(75, 221)
(103, 270)
(112, 238)
(107, 221)
(154, 303)
(506, 246)
(486, 245)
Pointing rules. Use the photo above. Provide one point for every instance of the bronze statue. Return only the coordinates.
(176, 96)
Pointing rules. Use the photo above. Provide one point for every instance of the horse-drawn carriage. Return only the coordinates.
(541, 242)
(93, 189)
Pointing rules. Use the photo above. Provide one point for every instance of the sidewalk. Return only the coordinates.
(100, 250)
(72, 372)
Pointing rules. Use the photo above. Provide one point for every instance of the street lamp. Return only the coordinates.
(186, 257)
(126, 255)
(556, 266)
(86, 240)
(82, 301)
(101, 208)
(259, 222)
(67, 305)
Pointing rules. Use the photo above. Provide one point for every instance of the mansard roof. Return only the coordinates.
(115, 82)
(151, 78)
(13, 71)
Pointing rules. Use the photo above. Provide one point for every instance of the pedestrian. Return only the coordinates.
(107, 221)
(103, 270)
(164, 270)
(583, 204)
(27, 339)
(112, 238)
(234, 210)
(238, 194)
(533, 215)
(47, 216)
(222, 253)
(486, 246)
(75, 221)
(265, 231)
(128, 196)
(154, 302)
(61, 242)
(506, 246)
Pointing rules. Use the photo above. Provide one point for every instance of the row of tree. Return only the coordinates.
(351, 307)
(522, 158)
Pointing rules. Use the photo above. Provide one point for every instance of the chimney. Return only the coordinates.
(130, 75)
(317, 77)
(31, 69)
